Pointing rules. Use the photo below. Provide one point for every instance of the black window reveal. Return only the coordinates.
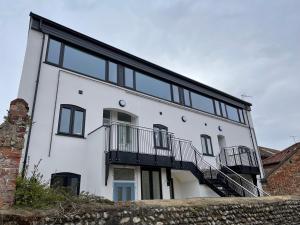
(71, 120)
(69, 181)
(161, 136)
(112, 72)
(152, 86)
(176, 97)
(232, 113)
(217, 107)
(206, 145)
(187, 99)
(83, 62)
(128, 77)
(241, 114)
(202, 103)
(53, 54)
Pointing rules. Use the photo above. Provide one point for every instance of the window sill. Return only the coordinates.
(71, 135)
(208, 155)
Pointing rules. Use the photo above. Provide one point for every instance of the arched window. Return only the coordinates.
(71, 181)
(206, 145)
(71, 120)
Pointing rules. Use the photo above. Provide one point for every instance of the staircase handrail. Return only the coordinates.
(227, 177)
(244, 179)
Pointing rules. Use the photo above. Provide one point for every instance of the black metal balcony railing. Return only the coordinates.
(238, 156)
(140, 141)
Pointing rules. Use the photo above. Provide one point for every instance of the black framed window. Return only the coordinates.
(128, 77)
(187, 97)
(241, 115)
(69, 181)
(152, 86)
(232, 113)
(112, 72)
(206, 145)
(202, 103)
(71, 120)
(53, 53)
(161, 136)
(176, 97)
(82, 62)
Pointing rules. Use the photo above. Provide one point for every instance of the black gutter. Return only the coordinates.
(33, 104)
(56, 29)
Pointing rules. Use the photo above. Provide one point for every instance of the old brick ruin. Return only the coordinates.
(12, 132)
(205, 211)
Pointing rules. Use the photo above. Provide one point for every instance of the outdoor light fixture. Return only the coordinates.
(122, 103)
(183, 118)
(219, 128)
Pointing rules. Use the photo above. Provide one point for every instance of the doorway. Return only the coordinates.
(151, 183)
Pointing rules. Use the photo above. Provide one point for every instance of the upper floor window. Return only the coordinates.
(53, 53)
(175, 90)
(232, 113)
(128, 77)
(71, 120)
(70, 181)
(206, 145)
(83, 62)
(161, 136)
(241, 114)
(202, 103)
(152, 86)
(112, 72)
(187, 98)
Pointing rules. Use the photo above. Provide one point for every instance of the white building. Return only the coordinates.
(118, 126)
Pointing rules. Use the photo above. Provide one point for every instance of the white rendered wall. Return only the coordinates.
(76, 155)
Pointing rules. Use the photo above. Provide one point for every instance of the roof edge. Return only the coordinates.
(143, 61)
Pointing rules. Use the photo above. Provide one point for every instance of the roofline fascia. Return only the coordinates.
(60, 27)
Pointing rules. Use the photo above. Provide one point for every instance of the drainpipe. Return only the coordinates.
(34, 101)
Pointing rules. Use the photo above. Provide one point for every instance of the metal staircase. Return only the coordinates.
(133, 145)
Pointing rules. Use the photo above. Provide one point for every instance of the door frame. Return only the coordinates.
(124, 182)
(151, 169)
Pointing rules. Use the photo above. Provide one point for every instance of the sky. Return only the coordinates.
(242, 47)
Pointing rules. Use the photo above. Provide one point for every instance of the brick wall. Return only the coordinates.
(285, 180)
(12, 132)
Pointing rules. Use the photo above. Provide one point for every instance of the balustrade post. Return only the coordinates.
(195, 157)
(117, 135)
(239, 151)
(180, 153)
(109, 142)
(225, 156)
(137, 143)
(234, 156)
(241, 183)
(171, 147)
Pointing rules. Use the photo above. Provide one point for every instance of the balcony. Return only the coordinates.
(240, 159)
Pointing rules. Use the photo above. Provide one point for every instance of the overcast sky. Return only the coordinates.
(249, 47)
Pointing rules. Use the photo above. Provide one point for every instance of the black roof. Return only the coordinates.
(54, 29)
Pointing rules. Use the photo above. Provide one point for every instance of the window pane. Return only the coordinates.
(204, 149)
(156, 184)
(152, 86)
(53, 51)
(74, 185)
(128, 73)
(124, 117)
(128, 194)
(232, 113)
(112, 72)
(209, 148)
(201, 102)
(65, 117)
(106, 117)
(175, 94)
(120, 194)
(145, 185)
(186, 94)
(123, 174)
(85, 63)
(223, 109)
(78, 122)
(218, 110)
(242, 120)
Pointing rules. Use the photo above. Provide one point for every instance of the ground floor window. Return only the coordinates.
(70, 181)
(151, 183)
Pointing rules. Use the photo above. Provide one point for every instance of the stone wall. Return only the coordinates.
(208, 211)
(285, 180)
(12, 132)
